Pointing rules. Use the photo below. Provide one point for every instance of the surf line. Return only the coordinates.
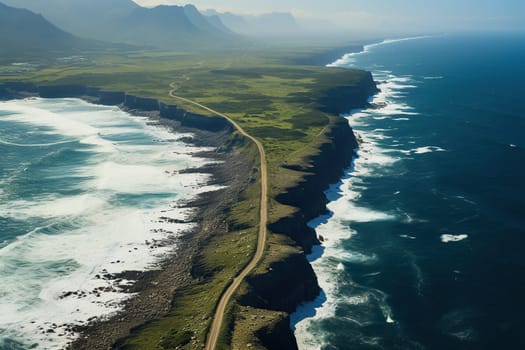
(35, 144)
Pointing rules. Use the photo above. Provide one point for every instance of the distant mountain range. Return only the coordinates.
(59, 24)
(173, 26)
(22, 31)
(124, 21)
(265, 24)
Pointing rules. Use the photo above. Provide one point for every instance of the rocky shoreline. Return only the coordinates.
(289, 282)
(292, 281)
(153, 290)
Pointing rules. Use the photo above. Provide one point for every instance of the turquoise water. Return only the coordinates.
(426, 231)
(82, 188)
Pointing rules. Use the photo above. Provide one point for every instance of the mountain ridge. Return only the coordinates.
(124, 21)
(263, 24)
(25, 32)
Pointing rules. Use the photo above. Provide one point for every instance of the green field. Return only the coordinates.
(273, 99)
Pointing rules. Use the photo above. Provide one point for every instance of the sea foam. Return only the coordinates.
(111, 219)
(349, 58)
(346, 209)
(447, 238)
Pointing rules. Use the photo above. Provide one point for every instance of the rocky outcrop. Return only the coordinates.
(144, 104)
(11, 90)
(278, 335)
(292, 281)
(61, 91)
(287, 283)
(342, 99)
(325, 168)
(110, 98)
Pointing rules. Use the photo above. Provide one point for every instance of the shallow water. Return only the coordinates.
(82, 191)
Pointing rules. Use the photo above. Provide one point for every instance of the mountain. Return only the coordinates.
(266, 24)
(217, 23)
(205, 24)
(85, 18)
(173, 27)
(22, 31)
(124, 21)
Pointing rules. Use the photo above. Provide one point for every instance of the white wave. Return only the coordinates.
(30, 112)
(428, 149)
(350, 57)
(439, 77)
(336, 229)
(52, 207)
(407, 237)
(89, 235)
(36, 144)
(345, 208)
(447, 238)
(137, 179)
(115, 244)
(423, 150)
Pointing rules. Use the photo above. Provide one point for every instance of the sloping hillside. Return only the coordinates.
(124, 21)
(24, 32)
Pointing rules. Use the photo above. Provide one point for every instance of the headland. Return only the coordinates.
(294, 111)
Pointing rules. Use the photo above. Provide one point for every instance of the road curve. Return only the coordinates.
(218, 318)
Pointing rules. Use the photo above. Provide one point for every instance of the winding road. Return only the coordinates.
(218, 318)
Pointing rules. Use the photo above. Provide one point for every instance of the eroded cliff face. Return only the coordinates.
(343, 99)
(11, 90)
(286, 283)
(325, 168)
(291, 281)
(278, 335)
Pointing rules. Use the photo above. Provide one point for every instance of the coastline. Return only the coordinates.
(337, 192)
(315, 249)
(155, 289)
(290, 281)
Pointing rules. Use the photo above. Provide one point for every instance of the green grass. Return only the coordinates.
(276, 102)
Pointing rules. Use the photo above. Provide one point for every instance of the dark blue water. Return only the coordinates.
(426, 243)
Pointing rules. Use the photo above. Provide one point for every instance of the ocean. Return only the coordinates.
(85, 193)
(425, 236)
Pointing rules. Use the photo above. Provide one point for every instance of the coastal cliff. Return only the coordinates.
(12, 90)
(291, 280)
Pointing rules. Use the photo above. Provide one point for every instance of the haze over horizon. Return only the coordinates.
(409, 16)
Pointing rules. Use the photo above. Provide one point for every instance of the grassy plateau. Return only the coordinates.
(271, 97)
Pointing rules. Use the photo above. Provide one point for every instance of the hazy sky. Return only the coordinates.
(384, 15)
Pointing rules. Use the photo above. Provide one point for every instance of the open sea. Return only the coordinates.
(425, 239)
(85, 193)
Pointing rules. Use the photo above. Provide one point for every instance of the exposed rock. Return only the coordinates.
(287, 283)
(292, 281)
